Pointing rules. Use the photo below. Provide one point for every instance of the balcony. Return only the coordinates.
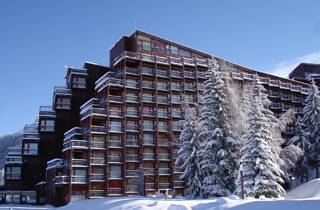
(162, 73)
(176, 100)
(164, 186)
(62, 180)
(149, 171)
(148, 141)
(295, 88)
(132, 84)
(31, 136)
(148, 156)
(115, 128)
(201, 74)
(62, 91)
(236, 75)
(148, 113)
(79, 162)
(275, 105)
(189, 74)
(284, 85)
(190, 100)
(115, 113)
(163, 128)
(202, 62)
(162, 60)
(163, 114)
(176, 74)
(97, 145)
(274, 83)
(190, 87)
(148, 85)
(46, 111)
(13, 160)
(98, 129)
(55, 163)
(263, 80)
(285, 97)
(132, 71)
(132, 158)
(177, 114)
(163, 156)
(29, 151)
(132, 143)
(97, 177)
(163, 142)
(132, 113)
(150, 186)
(274, 94)
(132, 188)
(9, 175)
(115, 175)
(94, 112)
(97, 161)
(304, 91)
(132, 173)
(132, 99)
(75, 144)
(148, 127)
(133, 128)
(176, 61)
(148, 71)
(79, 179)
(188, 62)
(75, 131)
(148, 58)
(176, 87)
(94, 102)
(296, 99)
(164, 171)
(115, 99)
(163, 87)
(114, 159)
(115, 144)
(162, 100)
(248, 76)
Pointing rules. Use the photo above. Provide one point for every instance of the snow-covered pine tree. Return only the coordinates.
(188, 155)
(311, 121)
(219, 148)
(261, 171)
(302, 141)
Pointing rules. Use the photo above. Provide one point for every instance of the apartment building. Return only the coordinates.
(114, 131)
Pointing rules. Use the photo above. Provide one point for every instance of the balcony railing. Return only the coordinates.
(130, 98)
(114, 143)
(201, 62)
(177, 74)
(285, 97)
(148, 156)
(149, 171)
(12, 175)
(295, 88)
(148, 85)
(97, 145)
(275, 106)
(148, 58)
(163, 114)
(46, 111)
(163, 128)
(164, 186)
(149, 113)
(132, 157)
(148, 71)
(149, 99)
(115, 99)
(188, 61)
(97, 161)
(285, 85)
(132, 188)
(79, 162)
(274, 83)
(148, 127)
(114, 159)
(132, 71)
(176, 87)
(132, 84)
(98, 129)
(13, 160)
(76, 144)
(201, 74)
(115, 175)
(62, 180)
(164, 171)
(115, 113)
(150, 186)
(132, 173)
(162, 60)
(304, 90)
(97, 177)
(132, 143)
(177, 114)
(46, 128)
(115, 128)
(189, 74)
(163, 142)
(79, 179)
(274, 94)
(190, 87)
(147, 141)
(176, 61)
(132, 113)
(161, 86)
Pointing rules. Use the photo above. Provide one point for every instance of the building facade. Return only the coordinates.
(114, 131)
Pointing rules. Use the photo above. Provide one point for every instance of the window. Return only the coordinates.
(144, 43)
(148, 125)
(132, 111)
(162, 112)
(184, 53)
(13, 172)
(147, 97)
(47, 125)
(79, 82)
(158, 46)
(173, 50)
(30, 149)
(175, 98)
(63, 103)
(163, 126)
(115, 126)
(131, 83)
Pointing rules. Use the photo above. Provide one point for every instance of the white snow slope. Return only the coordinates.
(310, 189)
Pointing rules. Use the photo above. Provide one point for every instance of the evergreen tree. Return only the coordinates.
(188, 155)
(311, 121)
(219, 148)
(261, 171)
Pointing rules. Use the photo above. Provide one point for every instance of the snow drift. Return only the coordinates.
(309, 190)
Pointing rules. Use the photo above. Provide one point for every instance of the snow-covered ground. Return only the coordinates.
(306, 196)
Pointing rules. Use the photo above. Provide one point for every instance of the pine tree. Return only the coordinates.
(311, 121)
(261, 171)
(188, 155)
(302, 141)
(219, 148)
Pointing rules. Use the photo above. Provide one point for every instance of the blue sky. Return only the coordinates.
(39, 38)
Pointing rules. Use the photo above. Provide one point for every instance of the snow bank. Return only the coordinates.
(227, 203)
(308, 190)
